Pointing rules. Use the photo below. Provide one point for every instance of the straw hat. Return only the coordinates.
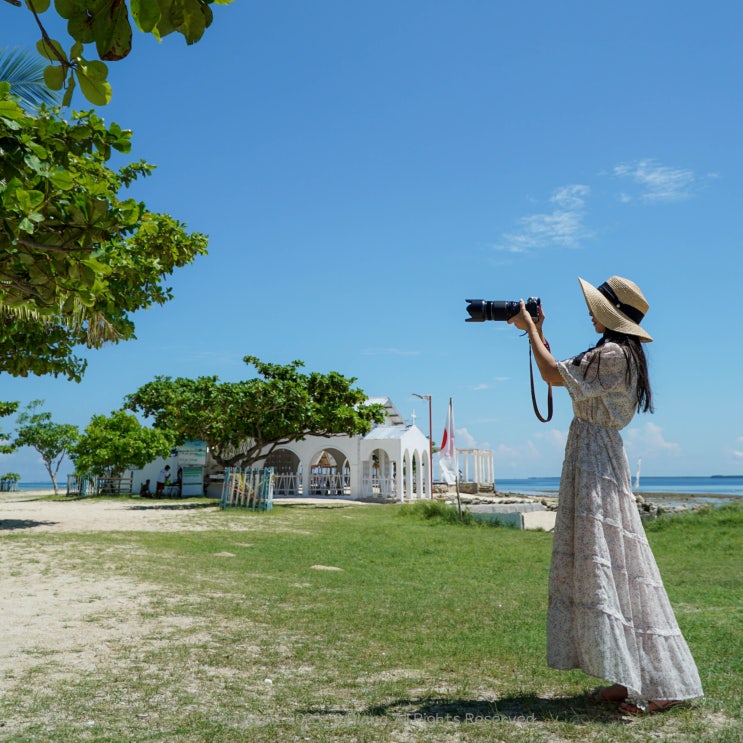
(618, 304)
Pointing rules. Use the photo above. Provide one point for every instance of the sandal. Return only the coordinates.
(607, 694)
(654, 707)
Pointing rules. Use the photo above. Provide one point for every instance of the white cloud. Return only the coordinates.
(554, 438)
(526, 459)
(649, 441)
(561, 227)
(464, 439)
(656, 182)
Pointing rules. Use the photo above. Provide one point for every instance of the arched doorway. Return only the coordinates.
(330, 473)
(379, 476)
(287, 472)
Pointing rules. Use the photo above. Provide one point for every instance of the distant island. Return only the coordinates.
(722, 477)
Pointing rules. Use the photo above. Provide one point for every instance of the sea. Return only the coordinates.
(61, 484)
(715, 490)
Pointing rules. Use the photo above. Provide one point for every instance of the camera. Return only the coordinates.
(484, 309)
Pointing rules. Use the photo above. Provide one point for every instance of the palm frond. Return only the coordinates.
(94, 324)
(25, 73)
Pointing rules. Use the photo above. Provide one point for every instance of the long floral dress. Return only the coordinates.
(609, 613)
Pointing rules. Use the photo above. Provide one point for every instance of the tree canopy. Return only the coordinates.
(243, 422)
(107, 24)
(7, 408)
(75, 258)
(109, 445)
(51, 440)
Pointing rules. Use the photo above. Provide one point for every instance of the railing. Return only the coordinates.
(83, 485)
(380, 487)
(331, 483)
(248, 488)
(286, 483)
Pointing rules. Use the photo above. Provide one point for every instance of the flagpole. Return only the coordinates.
(448, 460)
(456, 469)
(430, 442)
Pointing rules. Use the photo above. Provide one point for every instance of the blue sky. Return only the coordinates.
(362, 168)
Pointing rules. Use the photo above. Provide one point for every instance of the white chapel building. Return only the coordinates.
(391, 462)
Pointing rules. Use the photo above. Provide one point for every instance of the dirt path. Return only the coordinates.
(48, 609)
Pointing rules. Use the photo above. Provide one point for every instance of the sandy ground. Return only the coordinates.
(27, 510)
(49, 609)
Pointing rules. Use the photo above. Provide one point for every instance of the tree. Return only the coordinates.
(243, 422)
(108, 25)
(112, 444)
(6, 409)
(75, 258)
(52, 440)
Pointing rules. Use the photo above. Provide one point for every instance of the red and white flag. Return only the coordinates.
(448, 465)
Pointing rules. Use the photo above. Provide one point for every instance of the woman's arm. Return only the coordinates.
(544, 358)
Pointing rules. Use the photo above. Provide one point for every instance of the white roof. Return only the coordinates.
(387, 432)
(391, 412)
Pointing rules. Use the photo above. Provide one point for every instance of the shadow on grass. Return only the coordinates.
(574, 709)
(171, 506)
(12, 524)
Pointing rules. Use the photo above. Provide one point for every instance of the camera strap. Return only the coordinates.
(533, 394)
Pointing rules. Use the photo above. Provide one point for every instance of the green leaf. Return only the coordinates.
(54, 76)
(131, 211)
(50, 49)
(67, 99)
(193, 24)
(95, 70)
(146, 14)
(62, 179)
(98, 92)
(29, 200)
(80, 28)
(166, 24)
(113, 32)
(32, 162)
(66, 8)
(26, 225)
(40, 6)
(11, 110)
(176, 12)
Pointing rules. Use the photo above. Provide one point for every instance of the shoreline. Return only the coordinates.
(550, 495)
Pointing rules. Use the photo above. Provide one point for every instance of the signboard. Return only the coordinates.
(193, 481)
(191, 454)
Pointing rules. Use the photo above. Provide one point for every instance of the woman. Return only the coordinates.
(608, 612)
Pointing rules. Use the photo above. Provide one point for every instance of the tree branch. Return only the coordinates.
(45, 36)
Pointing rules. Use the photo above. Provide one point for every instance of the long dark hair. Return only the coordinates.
(635, 354)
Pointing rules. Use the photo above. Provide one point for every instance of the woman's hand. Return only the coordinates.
(524, 321)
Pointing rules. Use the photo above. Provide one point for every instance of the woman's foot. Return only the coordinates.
(608, 694)
(653, 707)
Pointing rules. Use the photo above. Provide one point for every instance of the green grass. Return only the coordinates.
(365, 623)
